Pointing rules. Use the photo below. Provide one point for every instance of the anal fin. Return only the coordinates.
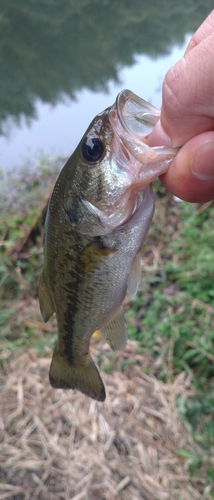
(45, 302)
(115, 331)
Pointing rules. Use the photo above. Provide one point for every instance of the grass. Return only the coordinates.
(22, 207)
(175, 310)
(172, 315)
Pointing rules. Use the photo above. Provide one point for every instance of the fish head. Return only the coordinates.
(113, 164)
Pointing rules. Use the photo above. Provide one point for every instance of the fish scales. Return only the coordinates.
(97, 220)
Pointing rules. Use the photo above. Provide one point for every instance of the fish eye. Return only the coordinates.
(92, 149)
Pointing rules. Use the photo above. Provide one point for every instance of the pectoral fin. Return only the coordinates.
(115, 331)
(92, 256)
(45, 301)
(134, 277)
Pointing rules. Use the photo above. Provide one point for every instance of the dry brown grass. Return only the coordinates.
(59, 444)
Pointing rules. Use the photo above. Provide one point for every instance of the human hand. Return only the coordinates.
(187, 119)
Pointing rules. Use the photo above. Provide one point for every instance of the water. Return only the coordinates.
(57, 129)
(75, 51)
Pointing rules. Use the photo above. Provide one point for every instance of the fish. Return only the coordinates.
(97, 220)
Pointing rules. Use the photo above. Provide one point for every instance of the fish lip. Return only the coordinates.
(133, 110)
(132, 119)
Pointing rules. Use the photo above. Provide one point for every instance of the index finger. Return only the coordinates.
(202, 32)
(188, 97)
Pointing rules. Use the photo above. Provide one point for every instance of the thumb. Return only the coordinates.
(191, 174)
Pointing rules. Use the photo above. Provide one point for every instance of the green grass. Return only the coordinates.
(175, 310)
(22, 201)
(172, 315)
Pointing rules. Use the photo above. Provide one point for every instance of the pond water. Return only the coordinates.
(56, 130)
(63, 65)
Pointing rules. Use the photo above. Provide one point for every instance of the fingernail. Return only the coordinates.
(202, 165)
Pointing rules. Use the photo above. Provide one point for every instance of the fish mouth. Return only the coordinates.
(136, 115)
(132, 119)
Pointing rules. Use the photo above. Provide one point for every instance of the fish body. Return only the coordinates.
(97, 220)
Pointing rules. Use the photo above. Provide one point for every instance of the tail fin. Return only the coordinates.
(83, 376)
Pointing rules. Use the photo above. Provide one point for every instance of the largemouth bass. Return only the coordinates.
(97, 220)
